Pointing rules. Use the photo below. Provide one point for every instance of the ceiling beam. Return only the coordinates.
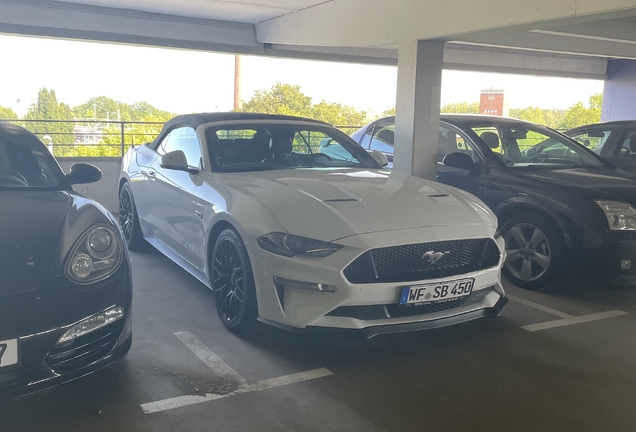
(381, 23)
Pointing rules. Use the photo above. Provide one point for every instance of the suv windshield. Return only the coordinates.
(283, 146)
(524, 145)
(25, 163)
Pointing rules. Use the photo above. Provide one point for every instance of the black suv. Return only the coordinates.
(558, 203)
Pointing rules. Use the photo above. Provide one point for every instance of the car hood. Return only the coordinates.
(332, 204)
(31, 224)
(597, 183)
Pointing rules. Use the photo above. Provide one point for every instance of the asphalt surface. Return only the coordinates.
(486, 375)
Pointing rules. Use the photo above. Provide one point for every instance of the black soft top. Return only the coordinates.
(196, 120)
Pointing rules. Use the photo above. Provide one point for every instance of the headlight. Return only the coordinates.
(620, 216)
(95, 256)
(291, 245)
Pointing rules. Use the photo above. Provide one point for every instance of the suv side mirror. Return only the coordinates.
(460, 160)
(83, 173)
(380, 158)
(176, 160)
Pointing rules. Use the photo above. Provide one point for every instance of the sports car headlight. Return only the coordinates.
(620, 216)
(95, 256)
(291, 245)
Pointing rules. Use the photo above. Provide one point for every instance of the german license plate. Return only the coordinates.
(8, 353)
(440, 292)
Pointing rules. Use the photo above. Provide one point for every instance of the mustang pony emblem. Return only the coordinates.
(432, 257)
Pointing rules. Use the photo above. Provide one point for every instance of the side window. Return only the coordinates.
(593, 140)
(451, 142)
(383, 138)
(366, 139)
(628, 144)
(186, 140)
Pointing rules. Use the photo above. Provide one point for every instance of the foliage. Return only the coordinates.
(7, 114)
(287, 99)
(577, 115)
(48, 108)
(461, 108)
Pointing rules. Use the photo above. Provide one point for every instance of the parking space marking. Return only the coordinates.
(539, 307)
(211, 360)
(574, 320)
(181, 401)
(224, 370)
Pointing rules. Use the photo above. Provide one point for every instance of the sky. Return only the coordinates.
(182, 81)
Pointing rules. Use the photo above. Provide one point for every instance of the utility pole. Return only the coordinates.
(237, 82)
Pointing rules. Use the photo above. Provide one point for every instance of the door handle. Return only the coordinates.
(152, 173)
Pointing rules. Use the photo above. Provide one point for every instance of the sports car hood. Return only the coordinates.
(332, 204)
(596, 183)
(30, 226)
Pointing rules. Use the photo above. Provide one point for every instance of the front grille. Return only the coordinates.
(397, 310)
(84, 350)
(410, 263)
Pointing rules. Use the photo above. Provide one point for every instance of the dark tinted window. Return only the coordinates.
(628, 144)
(26, 163)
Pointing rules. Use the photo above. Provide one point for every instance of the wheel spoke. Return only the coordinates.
(526, 270)
(541, 260)
(513, 255)
(536, 238)
(517, 234)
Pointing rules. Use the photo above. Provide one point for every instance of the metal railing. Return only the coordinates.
(98, 138)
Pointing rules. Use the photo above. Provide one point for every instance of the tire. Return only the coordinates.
(128, 219)
(233, 284)
(535, 249)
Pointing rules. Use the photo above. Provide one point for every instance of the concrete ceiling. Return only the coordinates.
(553, 37)
(244, 11)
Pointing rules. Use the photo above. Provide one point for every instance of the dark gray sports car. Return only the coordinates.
(65, 284)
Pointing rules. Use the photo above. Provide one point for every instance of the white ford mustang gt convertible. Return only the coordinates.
(303, 240)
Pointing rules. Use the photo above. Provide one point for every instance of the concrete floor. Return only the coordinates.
(487, 375)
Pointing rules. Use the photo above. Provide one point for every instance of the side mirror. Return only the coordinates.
(176, 160)
(460, 160)
(380, 158)
(84, 173)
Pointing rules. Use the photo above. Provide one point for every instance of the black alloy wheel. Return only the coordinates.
(128, 219)
(534, 249)
(233, 283)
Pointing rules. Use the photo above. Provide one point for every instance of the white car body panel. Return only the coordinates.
(360, 209)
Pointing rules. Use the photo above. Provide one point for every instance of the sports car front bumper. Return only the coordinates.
(363, 307)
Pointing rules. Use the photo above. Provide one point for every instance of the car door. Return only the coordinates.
(453, 140)
(623, 154)
(171, 195)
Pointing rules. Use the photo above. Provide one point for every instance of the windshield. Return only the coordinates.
(25, 163)
(524, 145)
(283, 146)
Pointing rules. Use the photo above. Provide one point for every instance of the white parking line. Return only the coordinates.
(539, 306)
(207, 356)
(573, 320)
(224, 370)
(181, 401)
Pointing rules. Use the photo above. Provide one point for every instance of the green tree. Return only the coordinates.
(48, 108)
(7, 114)
(288, 99)
(461, 108)
(578, 114)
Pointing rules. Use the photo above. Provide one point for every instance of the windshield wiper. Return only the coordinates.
(251, 168)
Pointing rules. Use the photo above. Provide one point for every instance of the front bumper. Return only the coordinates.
(601, 254)
(300, 309)
(371, 331)
(38, 319)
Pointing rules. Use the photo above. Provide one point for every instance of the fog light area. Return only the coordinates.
(626, 264)
(307, 286)
(92, 323)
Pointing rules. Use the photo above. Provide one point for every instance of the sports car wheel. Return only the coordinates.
(233, 283)
(128, 219)
(534, 249)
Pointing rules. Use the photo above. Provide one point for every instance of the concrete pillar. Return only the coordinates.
(619, 93)
(417, 108)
